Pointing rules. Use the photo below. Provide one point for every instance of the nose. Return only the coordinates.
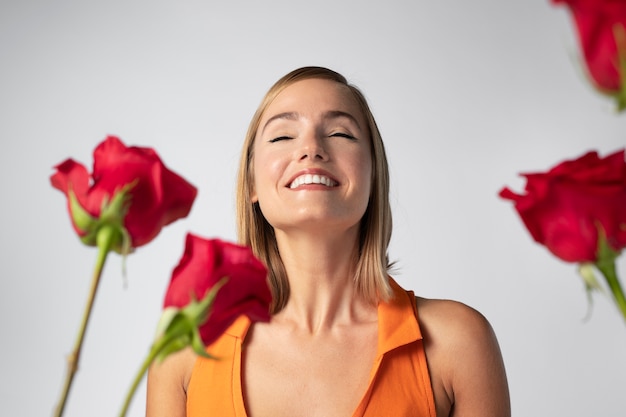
(313, 148)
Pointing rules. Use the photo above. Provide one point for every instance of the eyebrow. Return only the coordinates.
(332, 114)
(286, 115)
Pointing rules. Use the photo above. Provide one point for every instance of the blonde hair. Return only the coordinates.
(371, 272)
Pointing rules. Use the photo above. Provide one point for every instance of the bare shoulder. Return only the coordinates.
(464, 359)
(454, 321)
(167, 384)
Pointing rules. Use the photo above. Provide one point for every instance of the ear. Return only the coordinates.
(253, 197)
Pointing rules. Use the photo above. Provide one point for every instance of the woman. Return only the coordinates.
(344, 339)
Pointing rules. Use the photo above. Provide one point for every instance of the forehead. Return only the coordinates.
(311, 96)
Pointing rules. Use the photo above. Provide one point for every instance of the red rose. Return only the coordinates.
(202, 266)
(158, 196)
(564, 208)
(596, 21)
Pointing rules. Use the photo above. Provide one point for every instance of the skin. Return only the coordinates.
(314, 357)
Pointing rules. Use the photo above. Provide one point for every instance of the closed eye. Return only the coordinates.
(343, 135)
(279, 139)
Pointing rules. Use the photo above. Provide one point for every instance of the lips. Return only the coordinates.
(316, 178)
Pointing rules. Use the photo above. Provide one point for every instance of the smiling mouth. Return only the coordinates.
(312, 179)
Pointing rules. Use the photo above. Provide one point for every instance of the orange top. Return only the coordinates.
(399, 382)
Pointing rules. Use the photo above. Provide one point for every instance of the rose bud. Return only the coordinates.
(129, 188)
(575, 204)
(214, 283)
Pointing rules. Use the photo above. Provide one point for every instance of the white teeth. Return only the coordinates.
(312, 179)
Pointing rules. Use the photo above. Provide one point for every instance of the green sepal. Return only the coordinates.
(587, 272)
(198, 311)
(606, 254)
(167, 316)
(115, 210)
(198, 345)
(81, 218)
(605, 264)
(179, 328)
(176, 337)
(605, 258)
(112, 214)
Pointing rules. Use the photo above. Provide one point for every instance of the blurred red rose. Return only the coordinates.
(158, 196)
(204, 264)
(596, 21)
(564, 208)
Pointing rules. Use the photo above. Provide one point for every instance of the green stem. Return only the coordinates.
(157, 347)
(105, 239)
(610, 274)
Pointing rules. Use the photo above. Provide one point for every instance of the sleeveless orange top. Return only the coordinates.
(399, 382)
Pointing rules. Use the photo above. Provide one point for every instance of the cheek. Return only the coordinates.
(364, 170)
(360, 171)
(267, 171)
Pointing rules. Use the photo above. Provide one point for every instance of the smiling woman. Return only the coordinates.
(321, 137)
(344, 339)
(358, 122)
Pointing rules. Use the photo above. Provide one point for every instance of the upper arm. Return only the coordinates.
(478, 379)
(464, 359)
(167, 385)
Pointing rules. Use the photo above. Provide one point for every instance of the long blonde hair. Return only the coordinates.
(371, 273)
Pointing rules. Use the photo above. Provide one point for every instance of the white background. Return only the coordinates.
(466, 94)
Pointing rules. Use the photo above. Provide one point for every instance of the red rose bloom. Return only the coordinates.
(158, 196)
(595, 21)
(204, 264)
(565, 208)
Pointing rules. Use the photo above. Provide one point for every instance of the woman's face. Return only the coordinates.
(312, 159)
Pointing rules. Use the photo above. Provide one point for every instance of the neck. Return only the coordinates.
(320, 269)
